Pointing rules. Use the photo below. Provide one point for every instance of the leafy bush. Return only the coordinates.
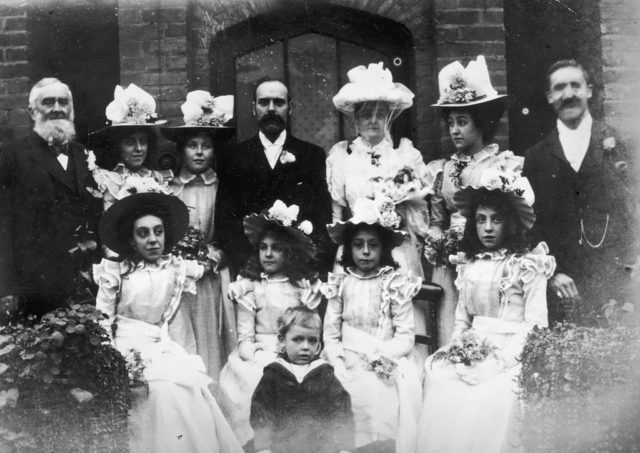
(580, 389)
(62, 386)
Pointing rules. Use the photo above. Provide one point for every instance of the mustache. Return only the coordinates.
(271, 118)
(59, 131)
(570, 103)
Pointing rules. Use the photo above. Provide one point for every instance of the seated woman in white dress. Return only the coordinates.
(127, 145)
(470, 401)
(369, 331)
(140, 295)
(280, 275)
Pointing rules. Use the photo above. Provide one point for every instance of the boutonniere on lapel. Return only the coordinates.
(609, 147)
(286, 157)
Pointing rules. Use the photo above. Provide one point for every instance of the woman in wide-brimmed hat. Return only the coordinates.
(141, 294)
(279, 275)
(127, 144)
(210, 316)
(369, 328)
(370, 166)
(472, 109)
(471, 392)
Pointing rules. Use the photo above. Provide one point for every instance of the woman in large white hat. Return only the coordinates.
(472, 110)
(211, 314)
(127, 145)
(369, 166)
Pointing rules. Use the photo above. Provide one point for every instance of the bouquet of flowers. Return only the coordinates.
(404, 185)
(192, 246)
(467, 349)
(385, 368)
(437, 251)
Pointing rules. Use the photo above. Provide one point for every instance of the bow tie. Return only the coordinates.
(59, 149)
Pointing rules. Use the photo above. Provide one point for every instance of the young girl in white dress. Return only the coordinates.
(140, 294)
(369, 332)
(470, 403)
(279, 276)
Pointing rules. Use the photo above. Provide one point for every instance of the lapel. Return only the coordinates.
(256, 152)
(39, 152)
(555, 150)
(593, 161)
(283, 171)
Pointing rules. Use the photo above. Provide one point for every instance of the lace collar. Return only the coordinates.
(208, 176)
(122, 169)
(360, 145)
(488, 151)
(278, 278)
(382, 271)
(494, 255)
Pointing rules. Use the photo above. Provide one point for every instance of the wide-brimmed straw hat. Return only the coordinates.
(464, 87)
(169, 208)
(371, 213)
(132, 109)
(512, 186)
(372, 83)
(284, 217)
(201, 113)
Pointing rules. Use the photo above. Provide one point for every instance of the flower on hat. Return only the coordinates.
(131, 105)
(284, 214)
(374, 74)
(306, 227)
(141, 184)
(202, 109)
(504, 180)
(387, 215)
(460, 85)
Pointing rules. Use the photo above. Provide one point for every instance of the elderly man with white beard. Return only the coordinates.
(45, 207)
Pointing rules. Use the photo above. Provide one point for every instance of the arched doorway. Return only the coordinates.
(311, 49)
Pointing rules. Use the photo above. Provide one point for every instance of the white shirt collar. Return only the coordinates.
(272, 149)
(575, 142)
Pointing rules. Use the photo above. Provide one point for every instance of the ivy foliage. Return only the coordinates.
(63, 387)
(580, 388)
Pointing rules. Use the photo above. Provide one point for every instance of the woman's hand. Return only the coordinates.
(340, 370)
(247, 350)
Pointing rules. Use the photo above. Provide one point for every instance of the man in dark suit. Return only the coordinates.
(583, 203)
(45, 207)
(272, 165)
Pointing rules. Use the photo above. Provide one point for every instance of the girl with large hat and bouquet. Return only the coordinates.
(472, 110)
(369, 329)
(369, 166)
(281, 274)
(471, 395)
(127, 145)
(140, 295)
(210, 317)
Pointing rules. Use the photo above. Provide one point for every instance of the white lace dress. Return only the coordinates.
(502, 296)
(180, 413)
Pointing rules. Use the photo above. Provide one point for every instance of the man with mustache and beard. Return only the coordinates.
(583, 201)
(272, 165)
(43, 201)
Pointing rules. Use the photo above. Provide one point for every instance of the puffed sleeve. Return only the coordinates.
(311, 293)
(194, 272)
(400, 289)
(242, 292)
(535, 269)
(332, 330)
(413, 158)
(336, 178)
(108, 276)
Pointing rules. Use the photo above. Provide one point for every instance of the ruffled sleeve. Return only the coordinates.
(536, 268)
(462, 318)
(311, 293)
(108, 276)
(399, 290)
(335, 173)
(332, 330)
(194, 272)
(242, 292)
(413, 157)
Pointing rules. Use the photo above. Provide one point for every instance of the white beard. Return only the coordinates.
(55, 132)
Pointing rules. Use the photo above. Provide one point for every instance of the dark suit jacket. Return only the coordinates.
(41, 206)
(568, 202)
(249, 184)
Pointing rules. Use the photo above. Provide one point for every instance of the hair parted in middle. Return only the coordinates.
(386, 238)
(486, 117)
(516, 238)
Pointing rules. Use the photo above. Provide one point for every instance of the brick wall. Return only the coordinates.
(620, 26)
(153, 50)
(465, 29)
(14, 81)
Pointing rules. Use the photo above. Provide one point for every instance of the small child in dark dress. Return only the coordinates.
(299, 405)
